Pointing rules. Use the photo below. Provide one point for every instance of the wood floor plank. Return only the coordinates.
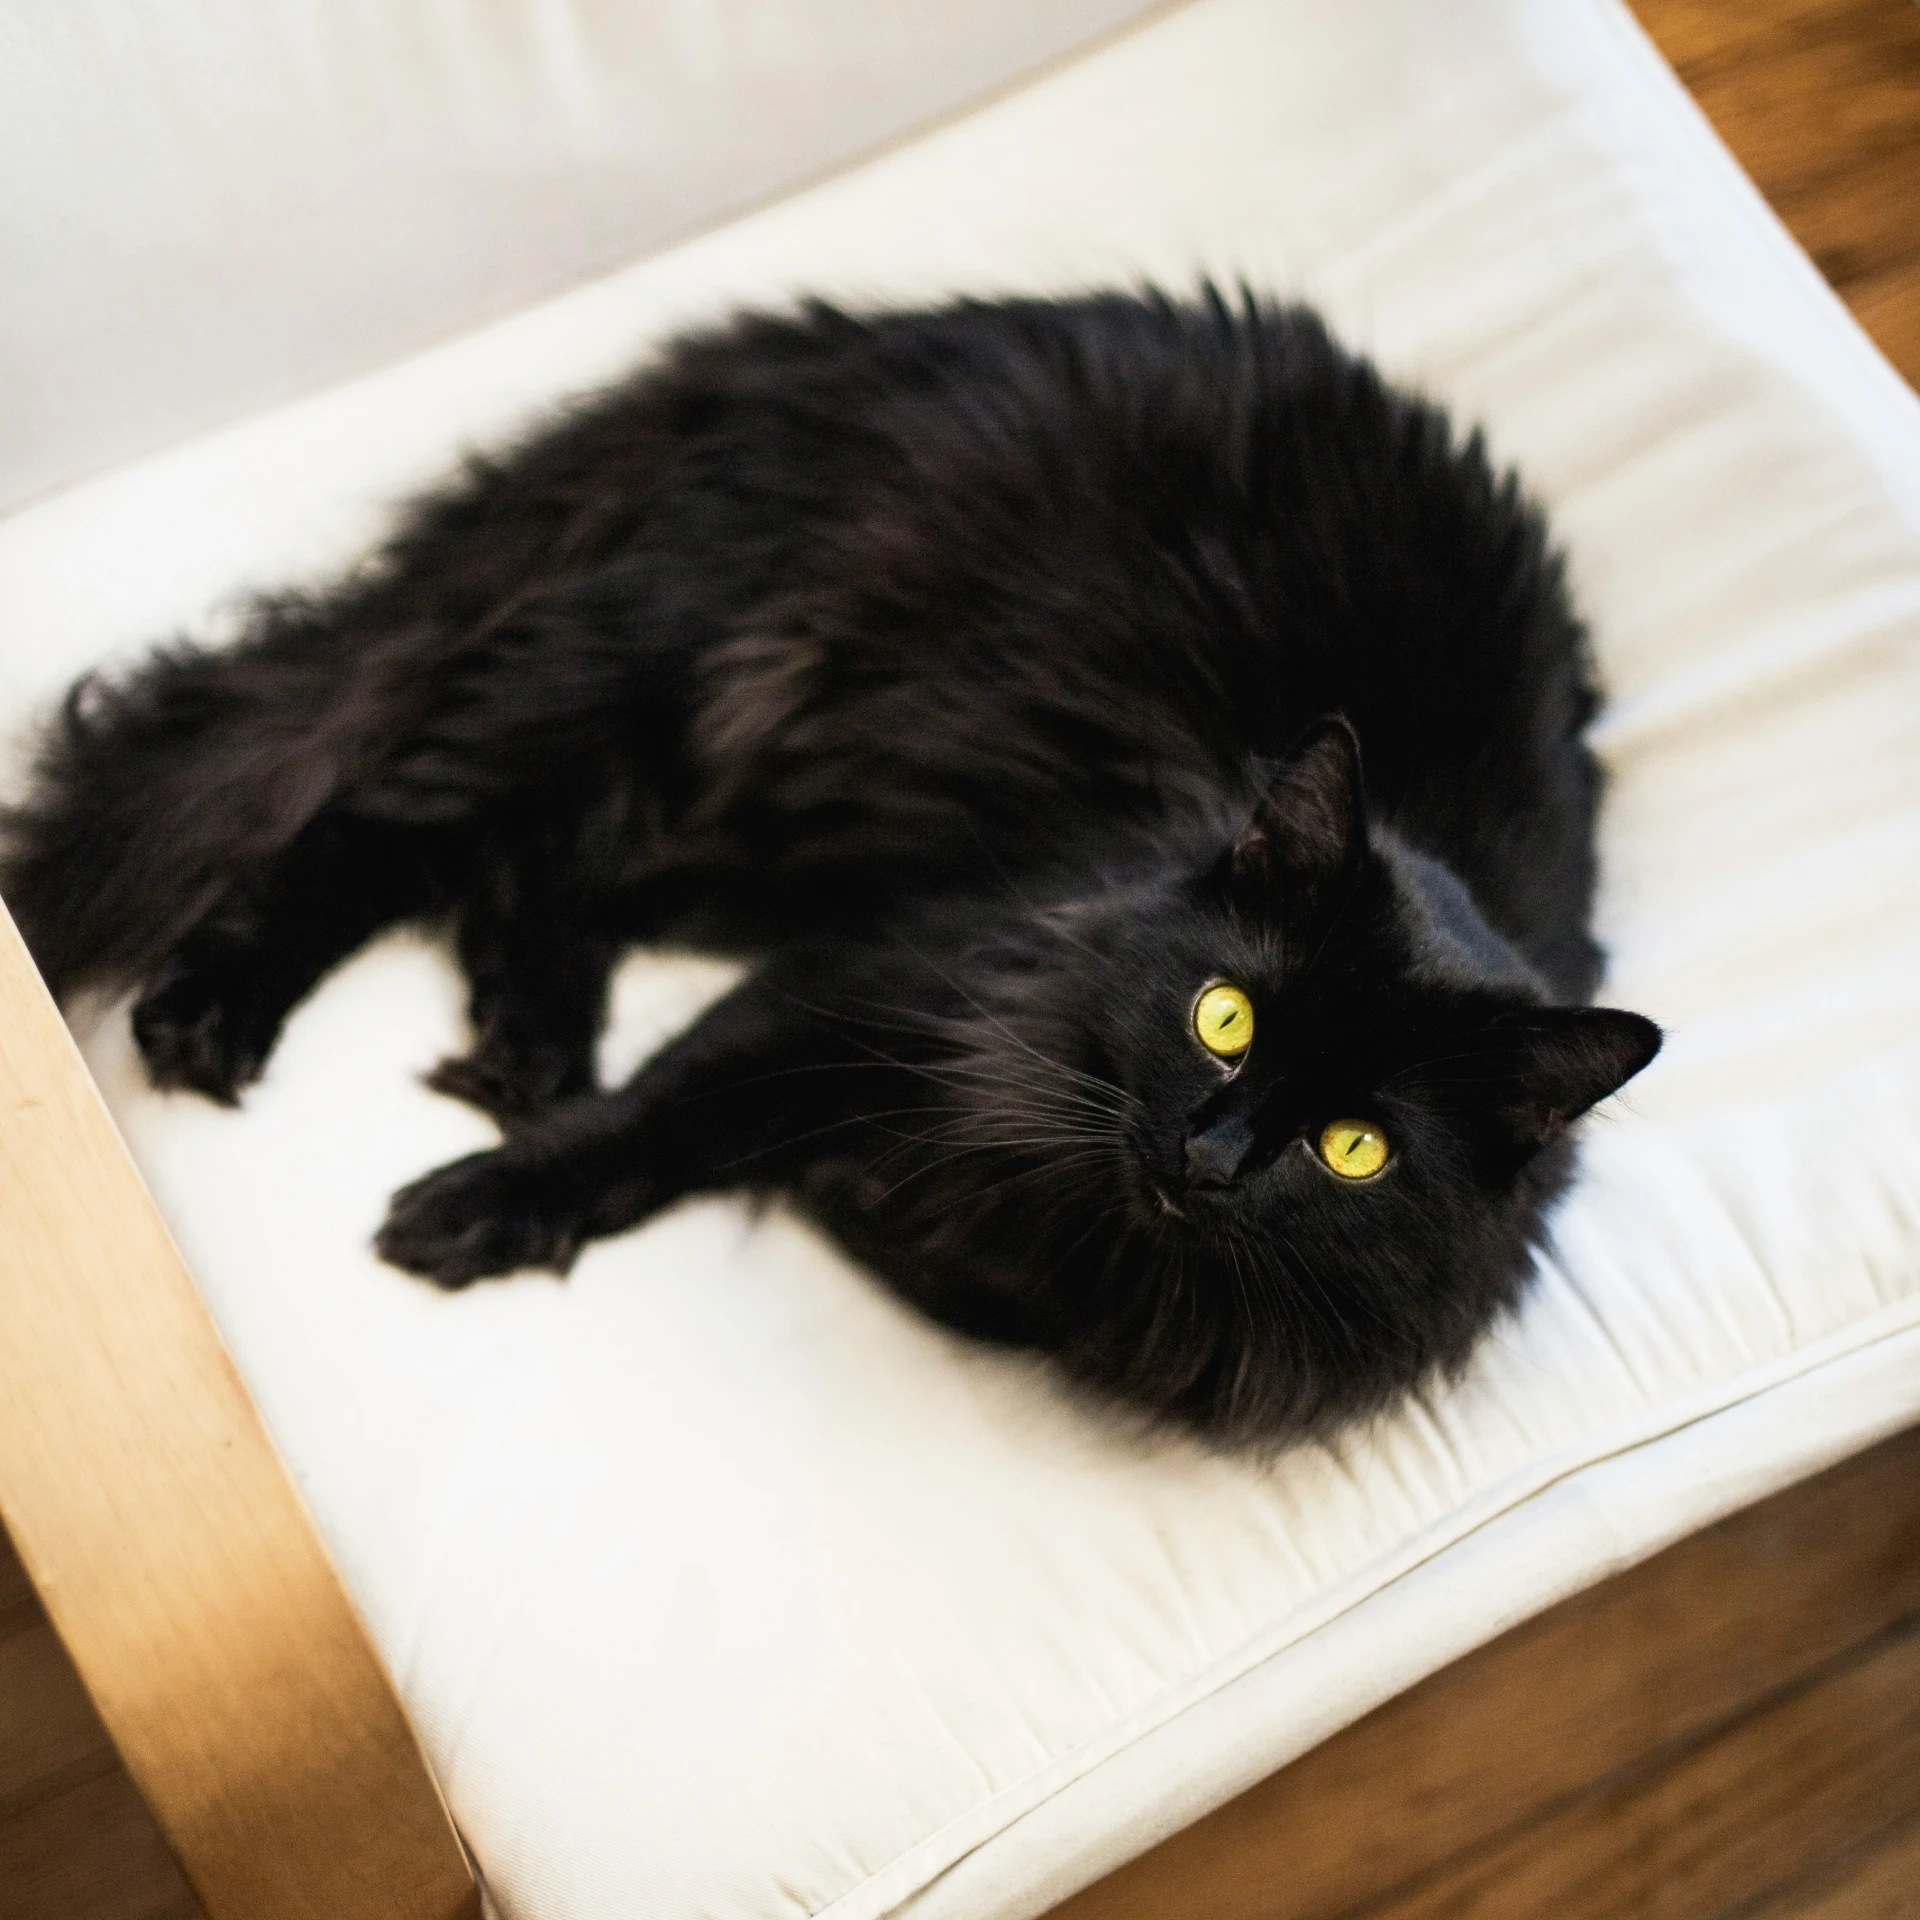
(20, 1608)
(1813, 108)
(1701, 37)
(1840, 160)
(48, 1728)
(1711, 41)
(1820, 102)
(91, 1853)
(1639, 1665)
(1811, 1776)
(1873, 226)
(1880, 1881)
(1888, 306)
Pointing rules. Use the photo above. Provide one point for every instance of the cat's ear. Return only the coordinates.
(1309, 829)
(1541, 1069)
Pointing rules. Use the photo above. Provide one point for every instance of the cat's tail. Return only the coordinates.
(155, 790)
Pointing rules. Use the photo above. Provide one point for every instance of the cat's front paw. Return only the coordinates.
(488, 1213)
(207, 1028)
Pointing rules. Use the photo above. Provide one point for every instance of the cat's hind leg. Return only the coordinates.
(210, 1014)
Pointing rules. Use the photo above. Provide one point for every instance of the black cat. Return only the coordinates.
(1000, 678)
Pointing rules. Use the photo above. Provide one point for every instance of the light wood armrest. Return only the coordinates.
(169, 1545)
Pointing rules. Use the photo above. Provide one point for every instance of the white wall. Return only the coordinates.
(207, 206)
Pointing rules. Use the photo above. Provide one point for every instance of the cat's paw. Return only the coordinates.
(514, 1088)
(208, 1028)
(488, 1213)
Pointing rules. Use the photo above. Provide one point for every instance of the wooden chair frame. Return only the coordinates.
(168, 1543)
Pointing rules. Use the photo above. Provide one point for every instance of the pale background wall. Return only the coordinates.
(207, 209)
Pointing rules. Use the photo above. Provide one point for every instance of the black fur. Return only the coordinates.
(977, 671)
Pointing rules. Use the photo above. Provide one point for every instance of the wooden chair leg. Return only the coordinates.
(169, 1545)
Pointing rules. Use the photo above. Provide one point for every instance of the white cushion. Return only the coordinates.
(719, 1583)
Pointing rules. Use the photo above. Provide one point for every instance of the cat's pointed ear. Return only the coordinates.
(1310, 828)
(1542, 1069)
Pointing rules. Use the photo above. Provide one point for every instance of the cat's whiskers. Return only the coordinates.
(1067, 1104)
(830, 1126)
(1050, 918)
(1079, 1147)
(964, 1063)
(999, 1026)
(980, 1193)
(1281, 1289)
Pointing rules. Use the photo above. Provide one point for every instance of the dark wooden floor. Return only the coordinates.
(1820, 102)
(75, 1839)
(1731, 1732)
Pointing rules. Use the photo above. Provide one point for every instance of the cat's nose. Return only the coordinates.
(1215, 1156)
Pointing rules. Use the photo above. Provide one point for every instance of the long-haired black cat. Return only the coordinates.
(1140, 750)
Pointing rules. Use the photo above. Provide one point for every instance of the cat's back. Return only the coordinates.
(1060, 560)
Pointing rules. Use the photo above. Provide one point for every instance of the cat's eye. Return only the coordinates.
(1223, 1021)
(1354, 1149)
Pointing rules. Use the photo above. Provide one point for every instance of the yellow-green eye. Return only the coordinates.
(1354, 1149)
(1223, 1021)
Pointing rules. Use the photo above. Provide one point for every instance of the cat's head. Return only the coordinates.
(1338, 1106)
